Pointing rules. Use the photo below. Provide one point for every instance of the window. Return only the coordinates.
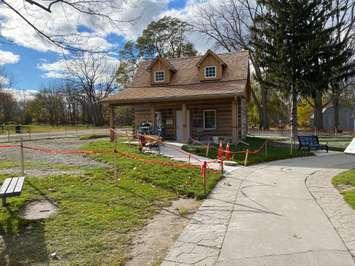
(209, 119)
(159, 76)
(210, 72)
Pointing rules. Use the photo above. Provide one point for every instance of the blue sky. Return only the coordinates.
(31, 52)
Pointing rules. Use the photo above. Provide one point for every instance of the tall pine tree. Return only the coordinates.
(293, 47)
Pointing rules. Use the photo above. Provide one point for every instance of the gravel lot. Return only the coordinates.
(39, 163)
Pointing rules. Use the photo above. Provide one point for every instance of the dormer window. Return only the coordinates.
(210, 67)
(210, 71)
(159, 76)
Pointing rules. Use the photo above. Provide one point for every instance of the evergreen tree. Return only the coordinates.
(293, 44)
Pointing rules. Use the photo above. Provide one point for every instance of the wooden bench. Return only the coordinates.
(311, 143)
(150, 141)
(11, 187)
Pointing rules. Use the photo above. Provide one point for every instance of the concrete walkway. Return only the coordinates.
(280, 213)
(174, 151)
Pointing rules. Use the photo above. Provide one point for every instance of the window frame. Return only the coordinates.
(215, 72)
(215, 119)
(155, 76)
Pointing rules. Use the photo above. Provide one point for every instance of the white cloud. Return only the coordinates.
(4, 81)
(145, 11)
(64, 20)
(62, 68)
(22, 95)
(189, 14)
(7, 57)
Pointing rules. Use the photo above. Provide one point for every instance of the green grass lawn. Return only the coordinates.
(38, 165)
(274, 152)
(338, 143)
(345, 182)
(97, 214)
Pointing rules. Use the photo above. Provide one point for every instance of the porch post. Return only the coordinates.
(112, 122)
(152, 114)
(184, 123)
(234, 120)
(239, 125)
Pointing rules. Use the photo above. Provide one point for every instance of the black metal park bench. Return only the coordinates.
(11, 187)
(311, 143)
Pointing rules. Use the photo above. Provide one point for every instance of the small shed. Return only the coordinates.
(346, 119)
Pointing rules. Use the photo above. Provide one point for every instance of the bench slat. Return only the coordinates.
(4, 186)
(19, 185)
(11, 187)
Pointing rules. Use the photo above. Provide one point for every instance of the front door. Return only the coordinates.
(179, 125)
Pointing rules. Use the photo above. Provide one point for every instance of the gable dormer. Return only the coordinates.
(210, 67)
(161, 71)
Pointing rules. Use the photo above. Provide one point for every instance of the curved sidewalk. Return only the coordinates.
(279, 213)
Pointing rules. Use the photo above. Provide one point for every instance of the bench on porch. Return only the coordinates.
(11, 187)
(311, 143)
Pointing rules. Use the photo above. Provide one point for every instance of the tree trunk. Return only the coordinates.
(318, 111)
(336, 113)
(262, 108)
(293, 119)
(265, 115)
(258, 107)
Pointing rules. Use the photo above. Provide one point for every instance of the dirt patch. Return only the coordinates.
(37, 210)
(151, 244)
(39, 163)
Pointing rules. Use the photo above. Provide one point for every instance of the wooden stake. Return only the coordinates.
(205, 177)
(246, 158)
(222, 167)
(207, 149)
(266, 148)
(115, 158)
(22, 158)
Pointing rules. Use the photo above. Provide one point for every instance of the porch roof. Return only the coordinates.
(201, 91)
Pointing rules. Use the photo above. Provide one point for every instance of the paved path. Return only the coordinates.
(174, 151)
(272, 214)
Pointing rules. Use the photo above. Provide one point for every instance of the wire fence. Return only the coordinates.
(191, 160)
(22, 147)
(14, 133)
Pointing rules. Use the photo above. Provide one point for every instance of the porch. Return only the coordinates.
(201, 120)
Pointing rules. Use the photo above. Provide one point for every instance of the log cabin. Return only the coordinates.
(197, 97)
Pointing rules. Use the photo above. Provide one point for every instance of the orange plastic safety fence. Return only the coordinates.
(8, 146)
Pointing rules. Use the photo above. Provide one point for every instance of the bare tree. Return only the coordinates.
(72, 101)
(93, 76)
(8, 107)
(343, 19)
(229, 25)
(105, 10)
(49, 106)
(8, 103)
